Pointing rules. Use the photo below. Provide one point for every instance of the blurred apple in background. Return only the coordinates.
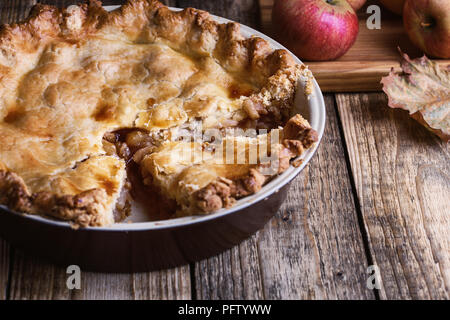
(315, 30)
(395, 6)
(356, 4)
(427, 23)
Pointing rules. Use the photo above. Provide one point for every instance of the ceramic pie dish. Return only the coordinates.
(208, 220)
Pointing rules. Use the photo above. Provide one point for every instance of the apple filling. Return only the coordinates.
(131, 145)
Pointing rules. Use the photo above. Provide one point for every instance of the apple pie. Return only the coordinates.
(97, 106)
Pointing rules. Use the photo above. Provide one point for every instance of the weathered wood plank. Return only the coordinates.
(312, 249)
(401, 174)
(34, 279)
(173, 284)
(235, 274)
(4, 269)
(243, 11)
(14, 10)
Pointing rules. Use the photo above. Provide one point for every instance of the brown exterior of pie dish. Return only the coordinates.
(117, 250)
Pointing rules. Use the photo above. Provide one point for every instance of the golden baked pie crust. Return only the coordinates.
(68, 76)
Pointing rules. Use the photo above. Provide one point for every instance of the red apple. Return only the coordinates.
(395, 6)
(427, 23)
(315, 30)
(356, 4)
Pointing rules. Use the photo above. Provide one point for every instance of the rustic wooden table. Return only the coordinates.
(376, 193)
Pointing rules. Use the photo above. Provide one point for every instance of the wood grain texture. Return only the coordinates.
(312, 249)
(173, 284)
(34, 279)
(4, 269)
(244, 11)
(235, 274)
(401, 173)
(15, 10)
(371, 57)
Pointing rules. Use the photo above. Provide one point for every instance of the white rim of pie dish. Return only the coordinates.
(316, 105)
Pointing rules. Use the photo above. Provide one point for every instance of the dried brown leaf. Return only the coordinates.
(424, 90)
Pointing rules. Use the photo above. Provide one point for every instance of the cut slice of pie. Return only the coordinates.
(86, 93)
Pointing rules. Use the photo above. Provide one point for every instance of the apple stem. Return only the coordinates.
(426, 24)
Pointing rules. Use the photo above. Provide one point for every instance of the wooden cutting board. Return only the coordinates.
(371, 57)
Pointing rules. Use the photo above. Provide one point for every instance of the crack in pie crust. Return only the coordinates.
(83, 92)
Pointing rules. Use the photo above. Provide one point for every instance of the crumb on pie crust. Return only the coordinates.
(71, 79)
